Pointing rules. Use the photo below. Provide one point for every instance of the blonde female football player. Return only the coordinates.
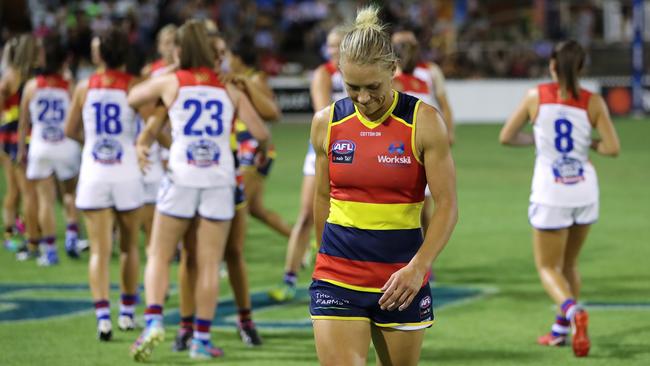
(200, 185)
(375, 152)
(51, 155)
(110, 183)
(22, 54)
(564, 198)
(326, 87)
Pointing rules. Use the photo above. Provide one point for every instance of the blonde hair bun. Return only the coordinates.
(368, 18)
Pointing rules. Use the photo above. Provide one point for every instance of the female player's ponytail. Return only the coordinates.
(569, 58)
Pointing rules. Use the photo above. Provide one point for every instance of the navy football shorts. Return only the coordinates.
(332, 302)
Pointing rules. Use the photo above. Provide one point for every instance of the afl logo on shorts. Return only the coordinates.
(52, 133)
(203, 153)
(425, 303)
(343, 151)
(107, 151)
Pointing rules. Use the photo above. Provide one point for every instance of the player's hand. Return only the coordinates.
(401, 288)
(261, 157)
(143, 156)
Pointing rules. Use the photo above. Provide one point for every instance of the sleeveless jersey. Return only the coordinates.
(158, 67)
(338, 89)
(376, 195)
(415, 87)
(155, 170)
(201, 117)
(109, 130)
(563, 175)
(48, 110)
(9, 122)
(423, 72)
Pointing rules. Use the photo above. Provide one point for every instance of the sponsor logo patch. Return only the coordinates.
(343, 151)
(203, 153)
(107, 151)
(395, 156)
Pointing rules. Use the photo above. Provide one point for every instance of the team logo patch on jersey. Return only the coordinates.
(107, 151)
(343, 151)
(203, 153)
(395, 156)
(567, 170)
(396, 148)
(52, 133)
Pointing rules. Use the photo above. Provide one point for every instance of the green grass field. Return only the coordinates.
(490, 250)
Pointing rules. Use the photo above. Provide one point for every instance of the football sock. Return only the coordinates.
(202, 330)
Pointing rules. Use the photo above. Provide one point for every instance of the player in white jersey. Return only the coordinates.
(51, 155)
(200, 184)
(564, 198)
(326, 87)
(110, 182)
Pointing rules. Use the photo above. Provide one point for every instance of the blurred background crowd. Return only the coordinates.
(468, 38)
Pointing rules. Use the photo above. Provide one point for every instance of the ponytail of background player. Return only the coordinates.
(564, 199)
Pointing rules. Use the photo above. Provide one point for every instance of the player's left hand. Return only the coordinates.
(401, 288)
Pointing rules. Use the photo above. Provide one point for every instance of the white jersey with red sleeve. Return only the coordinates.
(422, 71)
(563, 176)
(109, 130)
(48, 109)
(201, 118)
(338, 89)
(415, 87)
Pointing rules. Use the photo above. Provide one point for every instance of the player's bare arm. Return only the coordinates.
(319, 128)
(511, 133)
(608, 143)
(73, 124)
(25, 119)
(320, 88)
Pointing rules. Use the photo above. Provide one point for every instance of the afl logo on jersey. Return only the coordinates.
(568, 170)
(203, 153)
(343, 151)
(52, 133)
(107, 151)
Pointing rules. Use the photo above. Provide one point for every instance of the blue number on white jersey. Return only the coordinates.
(563, 139)
(214, 106)
(51, 110)
(107, 118)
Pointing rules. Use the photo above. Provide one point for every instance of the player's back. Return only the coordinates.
(109, 129)
(48, 109)
(562, 129)
(201, 118)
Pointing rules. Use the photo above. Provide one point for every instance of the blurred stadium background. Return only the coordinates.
(490, 304)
